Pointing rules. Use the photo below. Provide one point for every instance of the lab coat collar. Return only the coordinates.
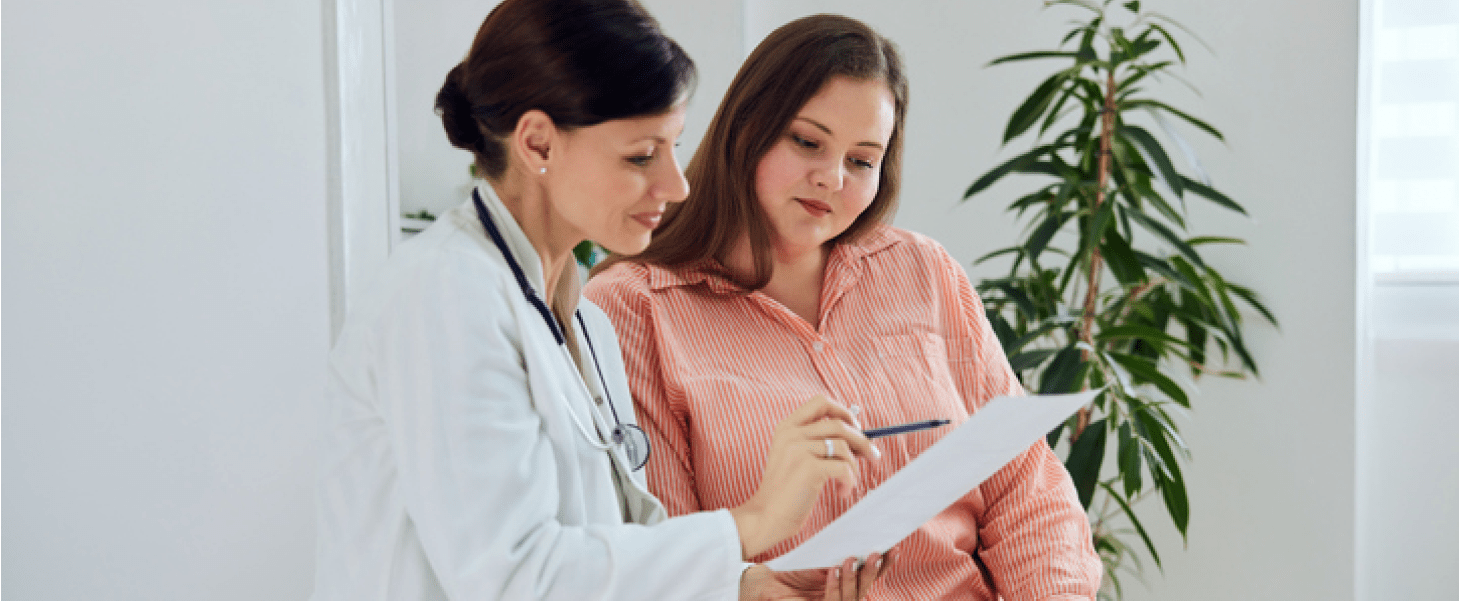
(569, 284)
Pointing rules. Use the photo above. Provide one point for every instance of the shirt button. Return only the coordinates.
(818, 345)
(598, 399)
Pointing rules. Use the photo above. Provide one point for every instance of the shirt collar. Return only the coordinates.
(709, 271)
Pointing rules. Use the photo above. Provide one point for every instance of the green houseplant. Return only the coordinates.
(1105, 291)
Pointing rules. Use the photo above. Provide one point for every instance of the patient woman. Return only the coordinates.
(779, 279)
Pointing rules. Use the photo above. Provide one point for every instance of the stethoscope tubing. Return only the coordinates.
(548, 318)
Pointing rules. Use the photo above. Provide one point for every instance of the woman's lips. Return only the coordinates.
(649, 220)
(814, 207)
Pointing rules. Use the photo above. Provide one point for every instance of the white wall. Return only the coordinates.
(431, 37)
(164, 253)
(1272, 480)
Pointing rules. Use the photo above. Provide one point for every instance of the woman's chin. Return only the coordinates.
(626, 246)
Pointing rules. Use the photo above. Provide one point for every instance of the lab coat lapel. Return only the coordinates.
(639, 505)
(526, 255)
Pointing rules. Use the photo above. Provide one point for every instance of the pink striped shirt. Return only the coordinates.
(903, 335)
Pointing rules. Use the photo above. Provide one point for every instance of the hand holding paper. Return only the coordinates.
(942, 474)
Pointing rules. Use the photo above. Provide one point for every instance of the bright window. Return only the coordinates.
(1414, 150)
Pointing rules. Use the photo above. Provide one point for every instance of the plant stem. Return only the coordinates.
(1091, 294)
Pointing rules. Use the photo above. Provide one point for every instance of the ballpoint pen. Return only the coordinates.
(904, 428)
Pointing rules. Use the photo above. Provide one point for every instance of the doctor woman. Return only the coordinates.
(481, 440)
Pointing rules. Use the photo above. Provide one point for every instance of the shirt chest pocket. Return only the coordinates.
(915, 371)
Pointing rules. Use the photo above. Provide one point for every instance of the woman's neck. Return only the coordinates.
(548, 234)
(795, 279)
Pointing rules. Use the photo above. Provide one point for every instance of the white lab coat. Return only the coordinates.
(451, 464)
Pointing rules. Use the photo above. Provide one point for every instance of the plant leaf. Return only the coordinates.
(1140, 73)
(1064, 373)
(1007, 167)
(1170, 39)
(1121, 259)
(1164, 232)
(1199, 240)
(1023, 56)
(1135, 521)
(1029, 359)
(1049, 324)
(1129, 460)
(1157, 154)
(1196, 337)
(1040, 237)
(1254, 300)
(1211, 194)
(1170, 482)
(585, 253)
(1024, 303)
(1055, 111)
(1135, 331)
(1202, 125)
(1160, 266)
(1034, 106)
(1053, 436)
(1144, 370)
(1001, 329)
(998, 253)
(1085, 457)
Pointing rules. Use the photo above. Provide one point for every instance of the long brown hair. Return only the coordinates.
(789, 67)
(582, 62)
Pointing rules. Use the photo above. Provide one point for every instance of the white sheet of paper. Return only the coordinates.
(937, 478)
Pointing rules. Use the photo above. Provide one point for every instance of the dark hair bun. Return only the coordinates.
(582, 62)
(454, 109)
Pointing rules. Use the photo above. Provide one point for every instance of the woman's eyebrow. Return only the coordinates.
(657, 139)
(822, 127)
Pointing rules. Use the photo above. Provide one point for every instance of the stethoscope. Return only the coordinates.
(629, 437)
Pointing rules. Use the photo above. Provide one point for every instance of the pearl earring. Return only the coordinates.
(542, 170)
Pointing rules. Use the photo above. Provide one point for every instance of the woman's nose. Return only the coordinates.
(672, 187)
(829, 176)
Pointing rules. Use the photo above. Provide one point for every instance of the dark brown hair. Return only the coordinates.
(582, 62)
(780, 76)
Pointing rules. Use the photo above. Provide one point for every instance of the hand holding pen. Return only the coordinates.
(817, 443)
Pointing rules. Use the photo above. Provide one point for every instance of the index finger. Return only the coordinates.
(855, 440)
(869, 573)
(819, 407)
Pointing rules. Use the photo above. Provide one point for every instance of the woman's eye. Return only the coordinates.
(803, 143)
(862, 163)
(641, 160)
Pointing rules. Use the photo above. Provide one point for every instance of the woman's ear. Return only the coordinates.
(533, 139)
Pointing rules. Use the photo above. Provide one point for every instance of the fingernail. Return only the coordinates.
(875, 452)
(855, 410)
